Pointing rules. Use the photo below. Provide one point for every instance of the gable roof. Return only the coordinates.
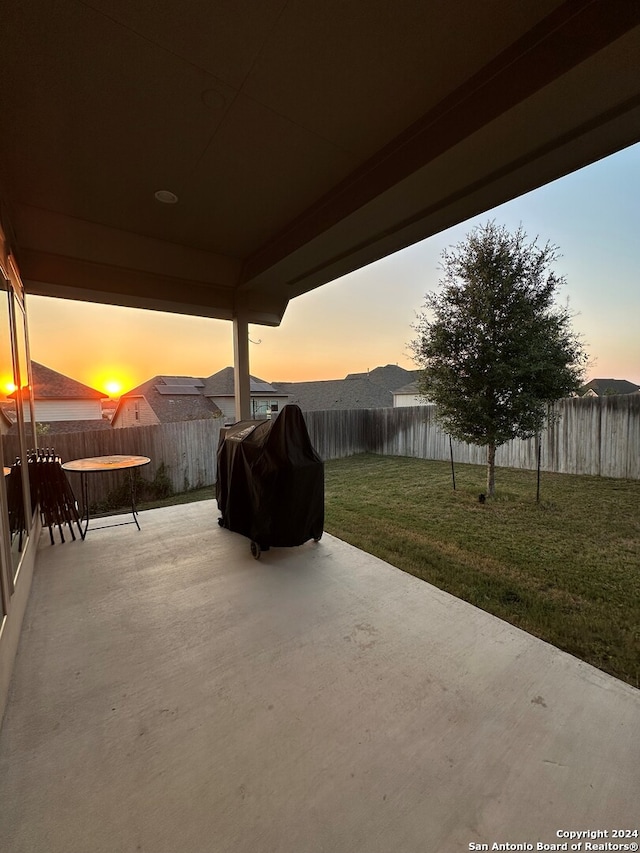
(336, 394)
(221, 384)
(48, 384)
(173, 398)
(604, 387)
(372, 390)
(391, 376)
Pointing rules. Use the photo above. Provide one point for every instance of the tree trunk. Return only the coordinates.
(491, 470)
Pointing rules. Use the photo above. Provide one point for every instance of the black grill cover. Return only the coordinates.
(270, 484)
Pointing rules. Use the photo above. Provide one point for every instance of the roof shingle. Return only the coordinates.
(49, 384)
(221, 384)
(372, 390)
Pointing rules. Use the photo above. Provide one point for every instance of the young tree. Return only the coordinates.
(494, 349)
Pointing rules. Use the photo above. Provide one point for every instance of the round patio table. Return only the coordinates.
(98, 465)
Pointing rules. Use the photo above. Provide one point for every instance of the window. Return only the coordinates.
(7, 387)
(16, 513)
(263, 408)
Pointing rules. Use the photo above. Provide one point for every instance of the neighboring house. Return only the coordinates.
(608, 387)
(179, 398)
(62, 404)
(265, 398)
(164, 399)
(408, 395)
(371, 390)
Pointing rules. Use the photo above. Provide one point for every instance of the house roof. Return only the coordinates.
(187, 381)
(48, 384)
(173, 398)
(410, 388)
(336, 394)
(390, 376)
(372, 390)
(221, 384)
(604, 387)
(292, 164)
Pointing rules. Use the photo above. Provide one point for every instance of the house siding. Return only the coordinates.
(65, 410)
(227, 406)
(260, 406)
(135, 413)
(403, 400)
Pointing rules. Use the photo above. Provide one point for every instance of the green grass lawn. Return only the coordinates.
(566, 569)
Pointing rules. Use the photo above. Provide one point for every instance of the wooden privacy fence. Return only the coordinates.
(187, 449)
(590, 435)
(596, 435)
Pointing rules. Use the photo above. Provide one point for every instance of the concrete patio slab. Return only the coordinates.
(173, 695)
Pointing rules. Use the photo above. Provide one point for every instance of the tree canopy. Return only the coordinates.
(494, 347)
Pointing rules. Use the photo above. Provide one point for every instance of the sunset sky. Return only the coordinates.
(364, 319)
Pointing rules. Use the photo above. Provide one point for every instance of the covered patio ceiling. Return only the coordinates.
(302, 139)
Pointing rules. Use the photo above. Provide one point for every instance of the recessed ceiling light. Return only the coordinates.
(166, 196)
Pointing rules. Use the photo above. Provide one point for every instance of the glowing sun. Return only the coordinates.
(113, 387)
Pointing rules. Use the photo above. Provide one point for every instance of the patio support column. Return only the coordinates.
(241, 367)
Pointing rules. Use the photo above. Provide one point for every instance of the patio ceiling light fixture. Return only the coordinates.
(166, 197)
